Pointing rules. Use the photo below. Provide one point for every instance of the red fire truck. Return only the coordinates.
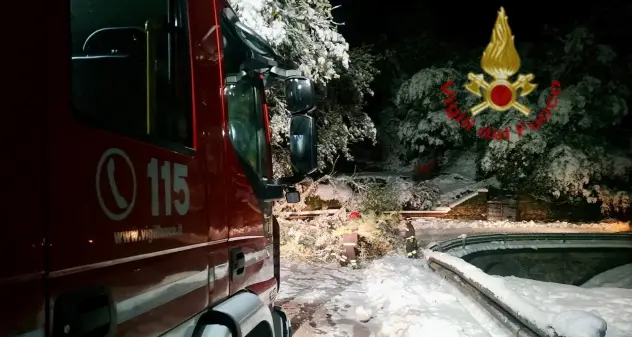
(141, 203)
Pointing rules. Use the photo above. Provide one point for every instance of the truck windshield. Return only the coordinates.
(244, 98)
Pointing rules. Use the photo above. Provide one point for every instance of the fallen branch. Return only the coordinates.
(305, 193)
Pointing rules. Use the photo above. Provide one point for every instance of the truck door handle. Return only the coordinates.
(87, 311)
(237, 262)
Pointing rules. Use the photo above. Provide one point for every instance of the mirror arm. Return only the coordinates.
(286, 181)
(273, 192)
(234, 78)
(256, 61)
(284, 74)
(275, 74)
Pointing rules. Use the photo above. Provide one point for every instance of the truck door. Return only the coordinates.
(248, 163)
(251, 225)
(129, 233)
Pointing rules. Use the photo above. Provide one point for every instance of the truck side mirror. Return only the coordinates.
(300, 100)
(299, 94)
(303, 140)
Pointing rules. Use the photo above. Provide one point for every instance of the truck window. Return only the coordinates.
(109, 70)
(246, 124)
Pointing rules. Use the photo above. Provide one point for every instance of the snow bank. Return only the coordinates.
(432, 223)
(561, 317)
(579, 324)
(620, 277)
(574, 309)
(493, 285)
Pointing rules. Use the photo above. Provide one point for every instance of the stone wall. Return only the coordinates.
(472, 209)
(529, 208)
(501, 210)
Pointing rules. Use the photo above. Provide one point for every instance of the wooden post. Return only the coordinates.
(411, 240)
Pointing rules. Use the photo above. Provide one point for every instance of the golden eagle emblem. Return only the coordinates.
(500, 60)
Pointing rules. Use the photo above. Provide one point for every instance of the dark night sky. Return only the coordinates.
(368, 21)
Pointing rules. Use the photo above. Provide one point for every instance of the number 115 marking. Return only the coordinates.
(174, 182)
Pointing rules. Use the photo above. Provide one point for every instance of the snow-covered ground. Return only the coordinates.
(395, 296)
(612, 304)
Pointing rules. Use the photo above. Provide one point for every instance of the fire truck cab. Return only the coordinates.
(141, 204)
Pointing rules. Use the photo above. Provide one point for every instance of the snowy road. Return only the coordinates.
(395, 296)
(391, 297)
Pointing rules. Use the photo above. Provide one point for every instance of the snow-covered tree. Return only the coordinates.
(423, 124)
(304, 32)
(411, 125)
(571, 157)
